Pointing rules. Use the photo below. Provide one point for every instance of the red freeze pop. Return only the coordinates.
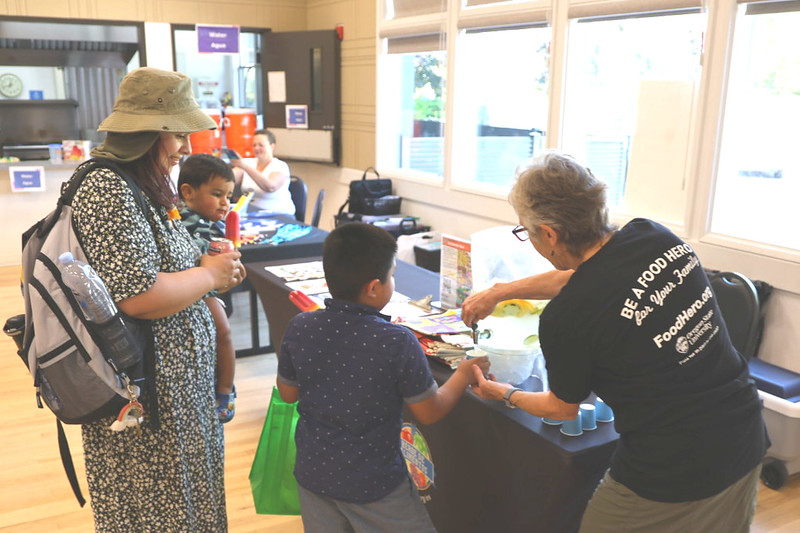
(302, 301)
(232, 230)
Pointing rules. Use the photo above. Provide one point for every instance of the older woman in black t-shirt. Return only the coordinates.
(633, 319)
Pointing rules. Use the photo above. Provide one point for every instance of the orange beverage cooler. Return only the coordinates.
(208, 141)
(240, 126)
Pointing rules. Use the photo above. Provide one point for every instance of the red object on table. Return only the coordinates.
(303, 301)
(232, 229)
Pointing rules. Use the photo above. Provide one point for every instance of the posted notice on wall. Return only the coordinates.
(217, 39)
(297, 116)
(26, 179)
(456, 271)
(276, 87)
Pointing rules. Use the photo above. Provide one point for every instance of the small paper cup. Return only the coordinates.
(603, 412)
(475, 352)
(588, 417)
(572, 428)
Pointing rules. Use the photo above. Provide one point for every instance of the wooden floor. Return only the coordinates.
(35, 495)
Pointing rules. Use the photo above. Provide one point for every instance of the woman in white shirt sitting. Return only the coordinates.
(266, 176)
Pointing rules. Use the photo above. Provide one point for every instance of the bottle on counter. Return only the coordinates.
(118, 342)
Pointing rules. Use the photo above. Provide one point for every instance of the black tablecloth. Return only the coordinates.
(297, 249)
(305, 246)
(497, 469)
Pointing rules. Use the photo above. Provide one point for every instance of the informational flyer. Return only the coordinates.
(298, 271)
(276, 84)
(448, 322)
(456, 271)
(309, 286)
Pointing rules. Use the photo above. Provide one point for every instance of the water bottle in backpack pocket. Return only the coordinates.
(86, 363)
(116, 339)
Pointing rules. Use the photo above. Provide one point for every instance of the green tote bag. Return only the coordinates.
(272, 474)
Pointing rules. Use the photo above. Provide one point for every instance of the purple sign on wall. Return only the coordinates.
(217, 39)
(26, 178)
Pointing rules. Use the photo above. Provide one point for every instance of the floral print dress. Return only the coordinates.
(172, 479)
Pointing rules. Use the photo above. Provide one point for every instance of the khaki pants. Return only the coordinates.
(614, 508)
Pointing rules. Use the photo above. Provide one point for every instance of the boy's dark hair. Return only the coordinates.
(198, 169)
(269, 134)
(353, 255)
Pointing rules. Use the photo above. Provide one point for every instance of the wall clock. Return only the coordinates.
(10, 85)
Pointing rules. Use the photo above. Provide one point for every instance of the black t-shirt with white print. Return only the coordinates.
(638, 324)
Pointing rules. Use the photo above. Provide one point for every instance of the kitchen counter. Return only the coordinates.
(68, 165)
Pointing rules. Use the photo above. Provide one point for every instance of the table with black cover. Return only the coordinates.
(295, 250)
(496, 469)
(306, 246)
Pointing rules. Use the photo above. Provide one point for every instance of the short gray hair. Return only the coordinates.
(554, 189)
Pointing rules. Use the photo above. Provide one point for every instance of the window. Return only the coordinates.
(404, 8)
(413, 82)
(502, 104)
(629, 88)
(483, 2)
(694, 135)
(758, 178)
(249, 70)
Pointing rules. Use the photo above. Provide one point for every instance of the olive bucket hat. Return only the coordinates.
(158, 101)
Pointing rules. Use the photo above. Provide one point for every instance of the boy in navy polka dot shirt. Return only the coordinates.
(352, 371)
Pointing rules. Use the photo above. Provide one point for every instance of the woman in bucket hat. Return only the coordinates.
(168, 479)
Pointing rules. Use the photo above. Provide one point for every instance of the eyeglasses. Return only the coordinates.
(521, 233)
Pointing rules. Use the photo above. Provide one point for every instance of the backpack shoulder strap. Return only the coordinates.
(71, 186)
(69, 466)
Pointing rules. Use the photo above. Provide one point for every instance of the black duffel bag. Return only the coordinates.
(372, 196)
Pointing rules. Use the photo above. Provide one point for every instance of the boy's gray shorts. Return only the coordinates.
(400, 510)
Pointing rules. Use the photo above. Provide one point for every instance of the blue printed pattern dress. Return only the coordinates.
(171, 480)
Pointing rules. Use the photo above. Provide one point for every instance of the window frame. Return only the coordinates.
(780, 266)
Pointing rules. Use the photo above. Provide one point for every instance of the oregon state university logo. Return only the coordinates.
(682, 345)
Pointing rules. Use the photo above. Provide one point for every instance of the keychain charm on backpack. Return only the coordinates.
(130, 415)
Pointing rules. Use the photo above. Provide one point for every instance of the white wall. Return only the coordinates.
(19, 211)
(158, 45)
(49, 80)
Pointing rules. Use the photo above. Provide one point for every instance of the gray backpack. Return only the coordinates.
(62, 349)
